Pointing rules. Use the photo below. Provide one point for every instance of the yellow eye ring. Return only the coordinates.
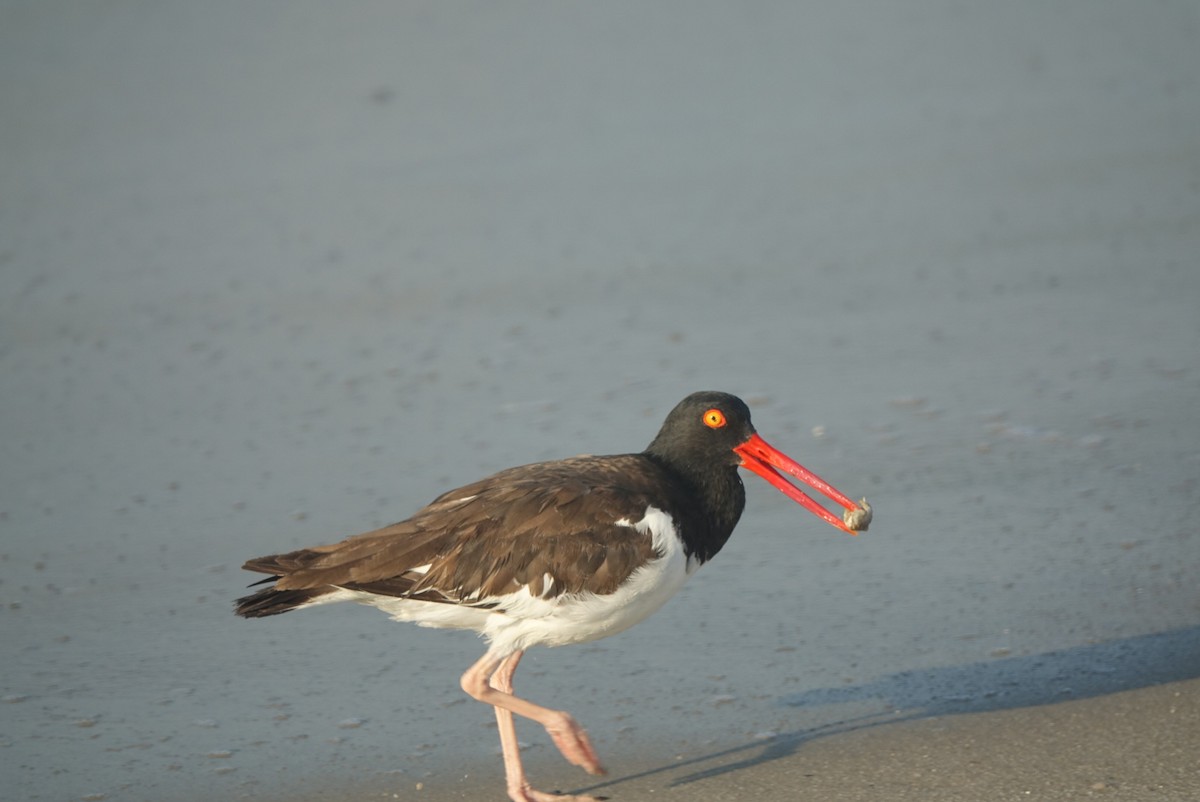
(714, 419)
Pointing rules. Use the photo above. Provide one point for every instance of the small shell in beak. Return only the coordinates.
(858, 518)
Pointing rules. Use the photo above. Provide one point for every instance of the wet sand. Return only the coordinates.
(1135, 745)
(272, 275)
(1128, 746)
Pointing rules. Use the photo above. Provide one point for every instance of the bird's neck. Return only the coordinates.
(719, 499)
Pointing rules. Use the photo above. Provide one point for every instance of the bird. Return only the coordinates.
(553, 553)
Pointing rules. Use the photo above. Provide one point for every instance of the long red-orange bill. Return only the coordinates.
(763, 458)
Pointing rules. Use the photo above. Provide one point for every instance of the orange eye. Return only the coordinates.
(714, 419)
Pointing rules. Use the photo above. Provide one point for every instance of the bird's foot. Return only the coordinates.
(573, 742)
(527, 794)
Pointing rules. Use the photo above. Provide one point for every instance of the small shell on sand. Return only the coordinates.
(859, 518)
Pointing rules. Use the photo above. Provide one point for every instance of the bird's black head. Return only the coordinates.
(709, 434)
(703, 430)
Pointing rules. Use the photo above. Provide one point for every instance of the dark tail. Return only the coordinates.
(273, 602)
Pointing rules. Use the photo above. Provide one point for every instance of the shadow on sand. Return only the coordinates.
(1001, 684)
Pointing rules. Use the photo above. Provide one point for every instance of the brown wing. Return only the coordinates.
(549, 527)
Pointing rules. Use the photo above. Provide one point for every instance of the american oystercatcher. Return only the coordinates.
(553, 553)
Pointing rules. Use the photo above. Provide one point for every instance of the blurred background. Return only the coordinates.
(276, 273)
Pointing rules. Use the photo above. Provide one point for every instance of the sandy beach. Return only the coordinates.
(1132, 745)
(275, 274)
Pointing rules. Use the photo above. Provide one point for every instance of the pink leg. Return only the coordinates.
(490, 681)
(514, 773)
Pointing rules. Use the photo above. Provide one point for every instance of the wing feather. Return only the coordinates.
(526, 527)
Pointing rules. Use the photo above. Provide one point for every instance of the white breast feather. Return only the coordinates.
(583, 617)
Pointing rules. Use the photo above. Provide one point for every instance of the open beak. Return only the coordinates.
(763, 458)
